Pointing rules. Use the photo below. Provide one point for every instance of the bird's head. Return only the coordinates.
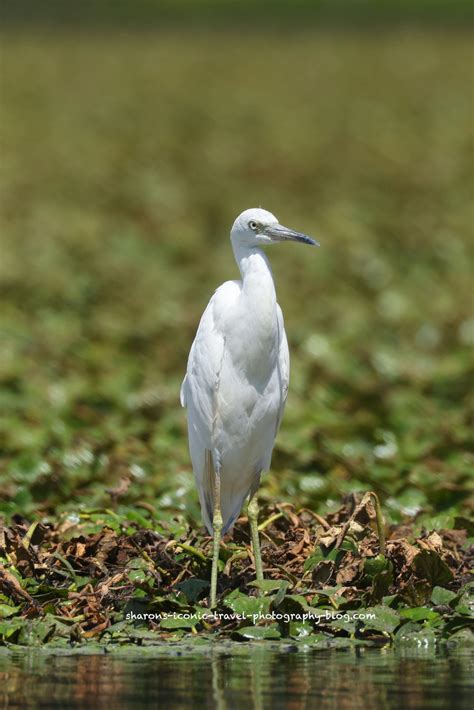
(258, 228)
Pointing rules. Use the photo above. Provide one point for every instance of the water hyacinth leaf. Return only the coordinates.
(256, 633)
(280, 595)
(117, 628)
(343, 622)
(324, 641)
(324, 595)
(138, 576)
(440, 595)
(390, 600)
(381, 618)
(300, 629)
(36, 632)
(375, 565)
(465, 604)
(179, 622)
(420, 614)
(246, 606)
(294, 608)
(349, 545)
(139, 593)
(9, 629)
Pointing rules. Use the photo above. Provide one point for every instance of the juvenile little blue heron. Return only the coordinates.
(236, 383)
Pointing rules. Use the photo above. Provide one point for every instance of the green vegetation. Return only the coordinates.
(125, 160)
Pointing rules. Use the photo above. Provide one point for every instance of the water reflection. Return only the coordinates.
(254, 678)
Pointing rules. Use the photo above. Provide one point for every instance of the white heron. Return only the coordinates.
(236, 383)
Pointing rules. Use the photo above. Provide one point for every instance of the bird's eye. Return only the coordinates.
(253, 226)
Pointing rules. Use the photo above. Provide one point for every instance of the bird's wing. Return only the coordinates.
(205, 359)
(283, 364)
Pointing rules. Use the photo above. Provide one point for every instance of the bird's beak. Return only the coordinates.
(279, 233)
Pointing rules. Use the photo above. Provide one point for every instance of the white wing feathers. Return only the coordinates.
(199, 392)
(284, 363)
(201, 395)
(205, 358)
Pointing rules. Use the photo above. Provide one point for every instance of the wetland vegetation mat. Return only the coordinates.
(326, 581)
(126, 158)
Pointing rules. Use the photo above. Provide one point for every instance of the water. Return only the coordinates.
(239, 676)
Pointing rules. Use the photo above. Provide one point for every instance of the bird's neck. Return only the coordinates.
(258, 301)
(256, 272)
(255, 329)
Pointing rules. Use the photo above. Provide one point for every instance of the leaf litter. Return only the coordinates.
(67, 583)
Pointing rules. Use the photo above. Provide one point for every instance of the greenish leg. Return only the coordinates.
(217, 528)
(252, 512)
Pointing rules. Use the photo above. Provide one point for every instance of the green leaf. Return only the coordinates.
(256, 633)
(313, 560)
(171, 622)
(280, 595)
(375, 565)
(465, 604)
(8, 629)
(420, 614)
(294, 604)
(440, 596)
(300, 629)
(137, 576)
(386, 619)
(246, 606)
(39, 631)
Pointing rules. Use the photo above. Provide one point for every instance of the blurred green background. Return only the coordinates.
(127, 152)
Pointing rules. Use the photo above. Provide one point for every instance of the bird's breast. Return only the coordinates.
(252, 341)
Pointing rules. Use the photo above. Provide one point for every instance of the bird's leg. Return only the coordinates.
(217, 528)
(252, 512)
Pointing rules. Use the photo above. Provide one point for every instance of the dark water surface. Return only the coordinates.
(239, 676)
